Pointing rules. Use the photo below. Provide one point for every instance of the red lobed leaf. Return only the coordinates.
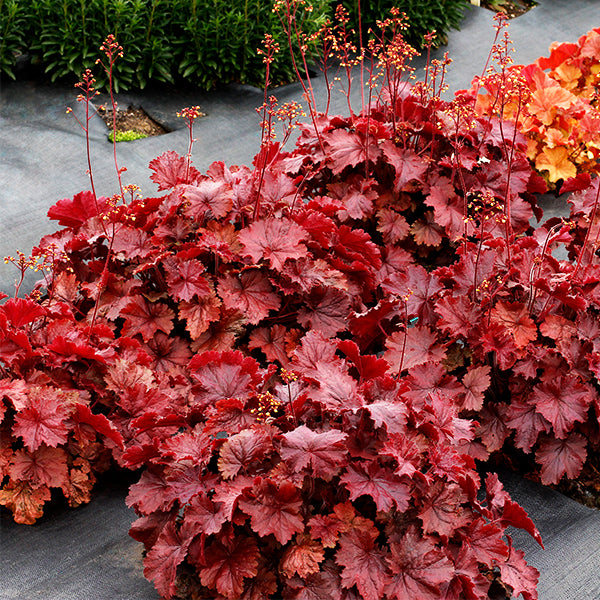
(186, 280)
(83, 416)
(44, 467)
(21, 311)
(229, 561)
(149, 494)
(348, 149)
(228, 415)
(167, 352)
(476, 382)
(274, 509)
(44, 418)
(221, 334)
(323, 452)
(418, 568)
(484, 541)
(24, 501)
(363, 562)
(275, 240)
(193, 447)
(520, 576)
(384, 487)
(458, 314)
(203, 516)
(337, 388)
(563, 401)
(326, 528)
(515, 318)
(408, 165)
(405, 449)
(272, 341)
(200, 313)
(418, 290)
(492, 427)
(186, 481)
(323, 585)
(76, 211)
(392, 225)
(559, 457)
(161, 562)
(426, 231)
(130, 243)
(170, 169)
(208, 198)
(431, 378)
(241, 449)
(229, 492)
(326, 311)
(250, 293)
(442, 512)
(501, 506)
(355, 247)
(415, 346)
(302, 557)
(223, 375)
(146, 318)
(368, 366)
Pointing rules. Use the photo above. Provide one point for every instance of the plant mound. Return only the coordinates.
(308, 355)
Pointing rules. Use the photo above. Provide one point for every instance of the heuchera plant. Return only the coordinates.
(329, 479)
(307, 354)
(561, 119)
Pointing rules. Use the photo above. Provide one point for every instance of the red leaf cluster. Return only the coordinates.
(308, 356)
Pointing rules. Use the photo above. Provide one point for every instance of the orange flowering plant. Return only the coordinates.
(562, 115)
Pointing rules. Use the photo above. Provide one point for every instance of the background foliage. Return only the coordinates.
(423, 16)
(203, 42)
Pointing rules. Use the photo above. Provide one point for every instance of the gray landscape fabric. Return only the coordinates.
(86, 553)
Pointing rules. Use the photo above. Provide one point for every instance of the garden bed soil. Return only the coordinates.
(511, 8)
(132, 119)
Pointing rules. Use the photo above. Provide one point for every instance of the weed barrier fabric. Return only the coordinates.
(569, 564)
(75, 554)
(86, 553)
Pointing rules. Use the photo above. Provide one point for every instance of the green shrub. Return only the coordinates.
(423, 16)
(67, 34)
(12, 39)
(202, 41)
(220, 38)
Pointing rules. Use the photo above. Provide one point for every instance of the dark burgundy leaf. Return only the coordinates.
(561, 457)
(381, 484)
(323, 452)
(274, 509)
(161, 562)
(363, 563)
(418, 568)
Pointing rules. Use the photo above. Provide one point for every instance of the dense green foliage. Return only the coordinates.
(11, 34)
(423, 16)
(203, 42)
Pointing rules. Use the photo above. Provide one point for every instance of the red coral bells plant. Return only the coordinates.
(324, 478)
(52, 437)
(307, 355)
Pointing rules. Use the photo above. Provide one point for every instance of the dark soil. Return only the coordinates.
(511, 8)
(132, 119)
